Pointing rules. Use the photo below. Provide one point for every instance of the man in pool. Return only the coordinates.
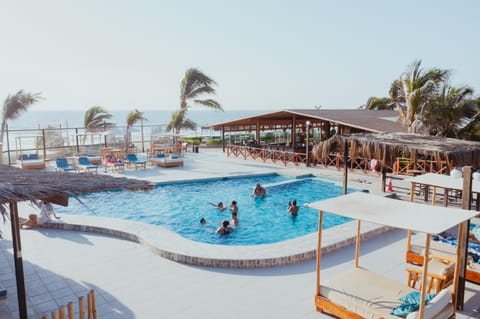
(259, 191)
(234, 207)
(235, 220)
(293, 208)
(219, 206)
(224, 228)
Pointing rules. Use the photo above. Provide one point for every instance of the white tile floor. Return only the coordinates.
(132, 282)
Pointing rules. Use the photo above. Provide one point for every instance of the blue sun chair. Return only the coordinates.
(85, 165)
(133, 160)
(63, 166)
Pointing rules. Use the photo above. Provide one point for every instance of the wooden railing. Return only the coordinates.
(263, 154)
(83, 313)
(407, 166)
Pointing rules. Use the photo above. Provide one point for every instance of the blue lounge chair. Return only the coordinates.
(84, 164)
(62, 165)
(133, 160)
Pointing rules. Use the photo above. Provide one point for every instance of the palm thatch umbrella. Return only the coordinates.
(21, 185)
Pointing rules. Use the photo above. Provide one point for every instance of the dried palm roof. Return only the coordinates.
(20, 185)
(365, 120)
(387, 146)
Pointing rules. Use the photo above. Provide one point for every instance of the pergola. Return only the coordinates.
(386, 146)
(19, 185)
(343, 121)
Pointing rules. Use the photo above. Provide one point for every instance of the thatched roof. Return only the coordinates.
(387, 146)
(19, 185)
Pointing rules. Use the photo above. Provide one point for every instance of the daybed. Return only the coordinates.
(30, 161)
(362, 294)
(416, 251)
(167, 161)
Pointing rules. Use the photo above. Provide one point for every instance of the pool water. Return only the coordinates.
(180, 207)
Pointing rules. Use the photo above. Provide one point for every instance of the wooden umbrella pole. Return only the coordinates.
(319, 251)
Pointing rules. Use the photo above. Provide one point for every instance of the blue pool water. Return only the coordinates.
(180, 207)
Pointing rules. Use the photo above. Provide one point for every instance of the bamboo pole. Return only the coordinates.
(45, 317)
(81, 307)
(89, 306)
(54, 314)
(423, 286)
(319, 252)
(63, 315)
(357, 244)
(94, 305)
(71, 314)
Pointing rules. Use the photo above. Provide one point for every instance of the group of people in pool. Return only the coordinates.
(258, 192)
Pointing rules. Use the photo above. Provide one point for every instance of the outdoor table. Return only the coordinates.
(442, 181)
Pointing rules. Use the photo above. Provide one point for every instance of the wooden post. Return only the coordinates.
(71, 314)
(94, 305)
(357, 244)
(62, 312)
(17, 257)
(345, 168)
(45, 317)
(81, 307)
(89, 306)
(319, 252)
(423, 286)
(54, 315)
(223, 139)
(462, 240)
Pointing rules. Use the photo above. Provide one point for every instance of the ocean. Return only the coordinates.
(34, 119)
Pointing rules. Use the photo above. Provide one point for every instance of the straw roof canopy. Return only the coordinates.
(388, 146)
(21, 185)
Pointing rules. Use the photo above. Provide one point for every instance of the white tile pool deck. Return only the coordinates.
(131, 281)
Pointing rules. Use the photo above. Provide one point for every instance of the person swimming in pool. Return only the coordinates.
(219, 206)
(259, 191)
(235, 220)
(224, 228)
(293, 208)
(234, 207)
(203, 221)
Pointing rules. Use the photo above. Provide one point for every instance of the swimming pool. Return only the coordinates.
(180, 207)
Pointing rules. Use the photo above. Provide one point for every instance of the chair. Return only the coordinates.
(132, 159)
(62, 165)
(84, 164)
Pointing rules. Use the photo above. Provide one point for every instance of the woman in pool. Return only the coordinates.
(224, 228)
(293, 208)
(259, 191)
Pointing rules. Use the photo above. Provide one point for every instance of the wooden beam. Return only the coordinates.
(357, 244)
(345, 168)
(462, 240)
(319, 252)
(18, 261)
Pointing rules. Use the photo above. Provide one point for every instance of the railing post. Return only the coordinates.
(76, 140)
(44, 145)
(8, 147)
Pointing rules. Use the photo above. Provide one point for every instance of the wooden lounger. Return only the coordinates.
(442, 251)
(364, 294)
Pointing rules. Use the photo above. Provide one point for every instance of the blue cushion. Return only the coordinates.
(33, 156)
(160, 155)
(411, 303)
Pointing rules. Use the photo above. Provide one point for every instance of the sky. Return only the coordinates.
(263, 54)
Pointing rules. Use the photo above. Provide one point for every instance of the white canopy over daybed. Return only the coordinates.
(346, 297)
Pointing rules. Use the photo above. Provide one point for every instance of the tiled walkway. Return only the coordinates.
(133, 282)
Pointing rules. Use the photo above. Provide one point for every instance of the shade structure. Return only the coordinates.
(394, 213)
(20, 185)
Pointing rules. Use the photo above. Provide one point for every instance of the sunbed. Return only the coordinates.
(440, 250)
(133, 160)
(30, 161)
(62, 165)
(363, 294)
(167, 161)
(85, 165)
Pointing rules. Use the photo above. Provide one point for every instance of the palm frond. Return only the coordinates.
(210, 103)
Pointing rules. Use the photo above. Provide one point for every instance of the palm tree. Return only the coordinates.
(13, 107)
(414, 90)
(379, 103)
(179, 122)
(132, 118)
(95, 119)
(194, 84)
(450, 111)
